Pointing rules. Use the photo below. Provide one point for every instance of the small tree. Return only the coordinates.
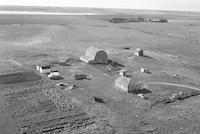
(118, 20)
(140, 19)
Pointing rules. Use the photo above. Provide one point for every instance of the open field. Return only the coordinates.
(30, 103)
(18, 77)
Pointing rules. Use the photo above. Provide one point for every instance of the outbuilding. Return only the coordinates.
(38, 68)
(43, 69)
(144, 70)
(139, 52)
(123, 72)
(127, 85)
(53, 74)
(94, 55)
(123, 83)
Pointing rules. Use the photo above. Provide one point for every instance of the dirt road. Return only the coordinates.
(172, 84)
(15, 62)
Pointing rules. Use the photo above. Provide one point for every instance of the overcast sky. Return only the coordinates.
(186, 5)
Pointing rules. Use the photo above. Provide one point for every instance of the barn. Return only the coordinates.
(94, 55)
(139, 52)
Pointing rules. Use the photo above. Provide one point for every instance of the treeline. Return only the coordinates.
(126, 20)
(139, 19)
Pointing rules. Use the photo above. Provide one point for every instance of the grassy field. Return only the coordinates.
(33, 104)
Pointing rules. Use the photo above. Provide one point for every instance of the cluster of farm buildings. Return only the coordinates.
(47, 70)
(95, 55)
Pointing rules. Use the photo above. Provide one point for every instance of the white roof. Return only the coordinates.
(138, 49)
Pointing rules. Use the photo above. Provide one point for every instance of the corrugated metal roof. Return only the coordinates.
(123, 83)
(91, 51)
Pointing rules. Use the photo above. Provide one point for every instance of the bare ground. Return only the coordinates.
(31, 103)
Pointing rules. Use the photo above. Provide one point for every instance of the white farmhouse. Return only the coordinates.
(43, 69)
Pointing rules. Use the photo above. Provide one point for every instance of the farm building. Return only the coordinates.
(123, 83)
(127, 84)
(139, 52)
(43, 69)
(94, 55)
(144, 70)
(53, 74)
(38, 68)
(123, 72)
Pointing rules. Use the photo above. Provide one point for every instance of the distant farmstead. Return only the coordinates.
(94, 55)
(158, 20)
(43, 69)
(139, 52)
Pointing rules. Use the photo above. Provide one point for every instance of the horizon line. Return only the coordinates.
(160, 10)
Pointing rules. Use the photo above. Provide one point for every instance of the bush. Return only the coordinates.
(118, 20)
(163, 20)
(126, 20)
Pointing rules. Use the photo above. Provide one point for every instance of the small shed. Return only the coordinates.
(38, 68)
(53, 74)
(43, 69)
(94, 55)
(144, 70)
(139, 52)
(123, 83)
(127, 85)
(123, 72)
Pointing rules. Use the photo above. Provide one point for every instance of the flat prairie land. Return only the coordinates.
(32, 103)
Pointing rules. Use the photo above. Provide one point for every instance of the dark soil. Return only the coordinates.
(19, 77)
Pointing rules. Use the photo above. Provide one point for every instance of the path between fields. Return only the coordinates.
(172, 84)
(15, 62)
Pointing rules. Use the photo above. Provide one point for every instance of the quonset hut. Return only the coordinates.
(123, 83)
(127, 84)
(94, 55)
